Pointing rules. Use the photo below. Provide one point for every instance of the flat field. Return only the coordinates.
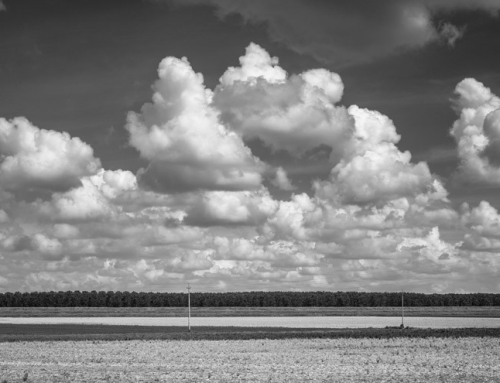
(442, 311)
(260, 321)
(72, 332)
(292, 360)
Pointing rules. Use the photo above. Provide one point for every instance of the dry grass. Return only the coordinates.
(48, 333)
(295, 360)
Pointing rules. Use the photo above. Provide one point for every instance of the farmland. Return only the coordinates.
(74, 332)
(261, 321)
(435, 311)
(243, 344)
(291, 360)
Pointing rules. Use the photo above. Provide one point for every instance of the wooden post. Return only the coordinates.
(189, 307)
(402, 311)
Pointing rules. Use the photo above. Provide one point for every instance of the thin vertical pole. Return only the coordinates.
(402, 310)
(189, 307)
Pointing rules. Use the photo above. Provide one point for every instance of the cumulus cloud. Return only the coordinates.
(296, 113)
(16, 243)
(276, 262)
(239, 249)
(49, 247)
(92, 200)
(195, 260)
(324, 29)
(373, 168)
(180, 134)
(81, 203)
(33, 158)
(152, 272)
(282, 181)
(379, 175)
(477, 132)
(430, 248)
(38, 243)
(256, 63)
(484, 219)
(231, 208)
(292, 218)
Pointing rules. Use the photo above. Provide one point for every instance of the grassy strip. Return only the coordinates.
(452, 311)
(13, 333)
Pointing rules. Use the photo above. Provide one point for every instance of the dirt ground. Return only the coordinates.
(294, 360)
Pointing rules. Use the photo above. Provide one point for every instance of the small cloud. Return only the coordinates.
(281, 180)
(450, 33)
(2, 6)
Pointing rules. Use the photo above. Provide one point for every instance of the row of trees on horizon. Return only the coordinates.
(241, 299)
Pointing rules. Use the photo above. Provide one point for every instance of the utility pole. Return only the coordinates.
(189, 307)
(402, 311)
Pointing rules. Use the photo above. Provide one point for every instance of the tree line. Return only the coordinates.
(241, 299)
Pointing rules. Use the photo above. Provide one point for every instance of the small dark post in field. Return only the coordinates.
(189, 307)
(402, 311)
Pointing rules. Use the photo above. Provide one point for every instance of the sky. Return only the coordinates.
(238, 145)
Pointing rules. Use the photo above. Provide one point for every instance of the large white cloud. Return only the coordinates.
(373, 168)
(477, 132)
(231, 208)
(33, 158)
(296, 113)
(483, 220)
(180, 134)
(430, 248)
(382, 174)
(91, 200)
